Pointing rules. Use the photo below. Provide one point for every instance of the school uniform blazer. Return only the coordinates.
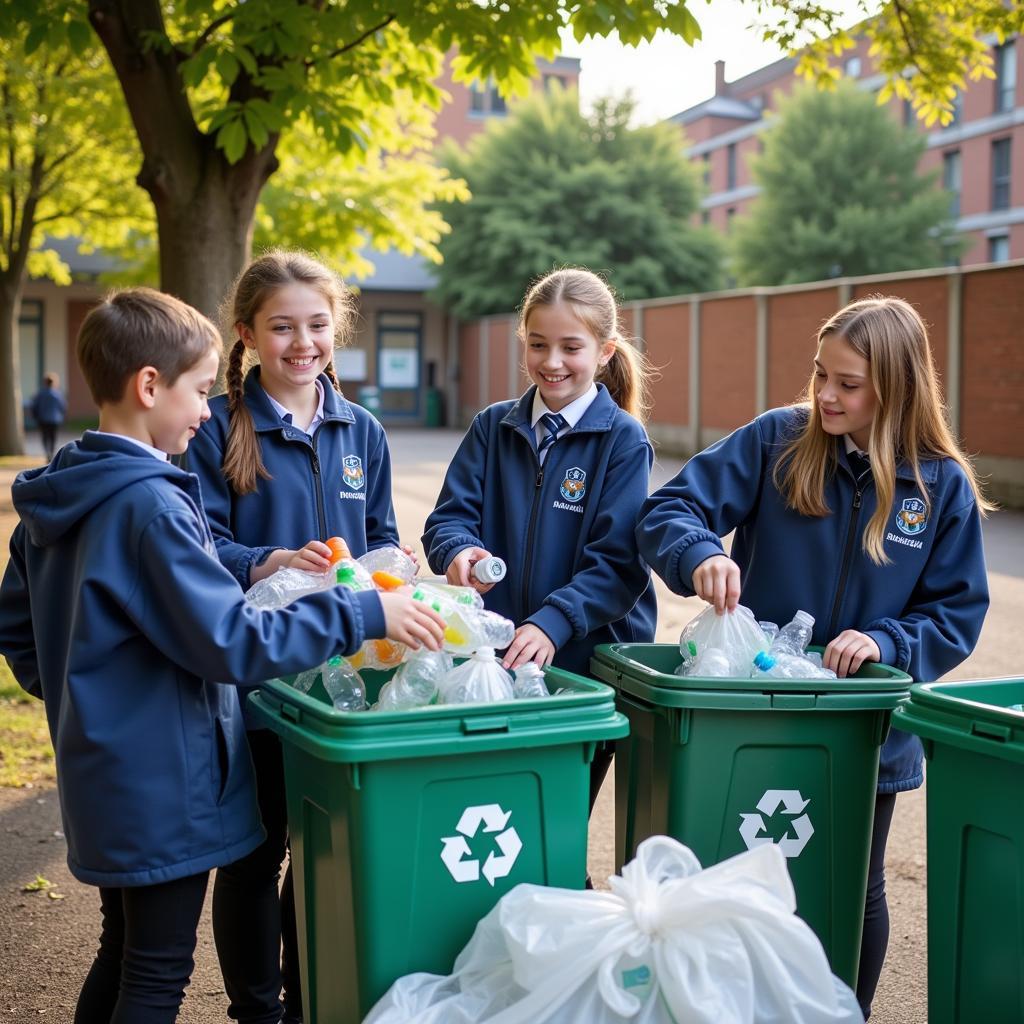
(924, 608)
(49, 407)
(115, 610)
(565, 530)
(335, 484)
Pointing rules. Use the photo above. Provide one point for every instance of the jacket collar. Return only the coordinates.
(904, 471)
(265, 416)
(597, 419)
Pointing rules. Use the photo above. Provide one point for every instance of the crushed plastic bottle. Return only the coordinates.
(343, 685)
(345, 569)
(415, 683)
(389, 568)
(284, 586)
(794, 637)
(467, 628)
(479, 680)
(770, 629)
(789, 666)
(460, 595)
(529, 682)
(712, 663)
(303, 681)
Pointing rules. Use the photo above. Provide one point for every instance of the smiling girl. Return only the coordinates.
(857, 506)
(283, 458)
(553, 482)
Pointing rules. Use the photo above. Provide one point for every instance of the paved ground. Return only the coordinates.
(47, 944)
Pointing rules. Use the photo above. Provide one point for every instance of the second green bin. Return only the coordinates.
(408, 826)
(724, 765)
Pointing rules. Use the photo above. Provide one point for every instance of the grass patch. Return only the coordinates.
(25, 751)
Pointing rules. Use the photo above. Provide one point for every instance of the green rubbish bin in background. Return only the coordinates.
(368, 397)
(408, 826)
(724, 765)
(974, 745)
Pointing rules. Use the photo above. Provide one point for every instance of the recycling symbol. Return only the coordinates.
(793, 804)
(456, 849)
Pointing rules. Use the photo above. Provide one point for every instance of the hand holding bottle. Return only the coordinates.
(460, 569)
(410, 622)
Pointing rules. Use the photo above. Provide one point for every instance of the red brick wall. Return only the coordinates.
(793, 322)
(728, 358)
(667, 334)
(469, 370)
(992, 388)
(499, 387)
(80, 403)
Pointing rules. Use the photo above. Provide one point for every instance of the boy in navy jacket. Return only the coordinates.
(115, 610)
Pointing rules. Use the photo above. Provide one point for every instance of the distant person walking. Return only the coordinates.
(49, 408)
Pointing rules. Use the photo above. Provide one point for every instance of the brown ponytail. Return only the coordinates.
(243, 463)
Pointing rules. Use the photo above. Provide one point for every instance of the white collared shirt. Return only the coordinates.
(155, 452)
(572, 414)
(289, 417)
(852, 447)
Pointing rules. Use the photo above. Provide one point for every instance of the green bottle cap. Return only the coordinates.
(692, 648)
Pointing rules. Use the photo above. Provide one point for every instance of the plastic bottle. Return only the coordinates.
(789, 666)
(415, 683)
(467, 628)
(343, 685)
(489, 570)
(794, 637)
(529, 682)
(284, 586)
(347, 571)
(770, 630)
(390, 568)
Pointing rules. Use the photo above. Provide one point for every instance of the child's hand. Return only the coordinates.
(849, 651)
(412, 554)
(717, 581)
(460, 569)
(531, 643)
(411, 622)
(313, 557)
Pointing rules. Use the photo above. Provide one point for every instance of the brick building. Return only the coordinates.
(980, 155)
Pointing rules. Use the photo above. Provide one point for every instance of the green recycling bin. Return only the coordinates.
(408, 826)
(974, 745)
(724, 765)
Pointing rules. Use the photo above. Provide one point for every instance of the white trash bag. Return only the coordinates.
(669, 944)
(723, 645)
(478, 680)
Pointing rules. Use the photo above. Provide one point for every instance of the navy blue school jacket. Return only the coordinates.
(115, 610)
(564, 530)
(49, 406)
(335, 484)
(924, 609)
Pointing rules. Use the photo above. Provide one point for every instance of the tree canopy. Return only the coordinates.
(552, 186)
(840, 195)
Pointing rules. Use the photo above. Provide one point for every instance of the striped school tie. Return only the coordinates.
(553, 423)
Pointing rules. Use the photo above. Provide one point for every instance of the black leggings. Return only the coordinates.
(251, 923)
(876, 910)
(48, 432)
(145, 958)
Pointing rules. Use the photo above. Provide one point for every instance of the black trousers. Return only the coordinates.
(254, 926)
(875, 939)
(48, 431)
(145, 957)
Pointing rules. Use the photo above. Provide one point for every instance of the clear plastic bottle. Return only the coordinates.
(529, 682)
(794, 637)
(415, 683)
(789, 666)
(489, 570)
(467, 628)
(343, 685)
(770, 630)
(389, 568)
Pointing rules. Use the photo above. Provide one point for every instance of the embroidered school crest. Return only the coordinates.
(352, 472)
(912, 518)
(574, 486)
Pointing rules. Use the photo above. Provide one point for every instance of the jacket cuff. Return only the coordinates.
(370, 613)
(692, 556)
(449, 554)
(554, 624)
(244, 566)
(886, 647)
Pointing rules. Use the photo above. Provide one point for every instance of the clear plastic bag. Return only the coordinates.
(724, 645)
(415, 683)
(669, 943)
(479, 680)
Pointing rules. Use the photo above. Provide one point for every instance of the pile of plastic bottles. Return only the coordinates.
(735, 645)
(422, 677)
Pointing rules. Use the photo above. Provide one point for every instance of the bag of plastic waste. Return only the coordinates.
(669, 943)
(478, 680)
(721, 645)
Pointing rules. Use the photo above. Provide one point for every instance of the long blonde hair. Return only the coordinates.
(243, 463)
(627, 374)
(910, 422)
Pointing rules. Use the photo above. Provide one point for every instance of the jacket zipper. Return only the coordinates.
(851, 536)
(528, 561)
(318, 487)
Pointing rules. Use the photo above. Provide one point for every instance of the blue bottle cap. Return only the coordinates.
(764, 661)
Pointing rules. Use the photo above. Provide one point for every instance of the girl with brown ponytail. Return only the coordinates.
(285, 462)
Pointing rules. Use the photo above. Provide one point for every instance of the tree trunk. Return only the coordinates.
(12, 422)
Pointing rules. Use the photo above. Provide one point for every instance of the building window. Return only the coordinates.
(852, 67)
(730, 167)
(998, 248)
(952, 180)
(486, 99)
(1001, 174)
(707, 170)
(1006, 75)
(552, 82)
